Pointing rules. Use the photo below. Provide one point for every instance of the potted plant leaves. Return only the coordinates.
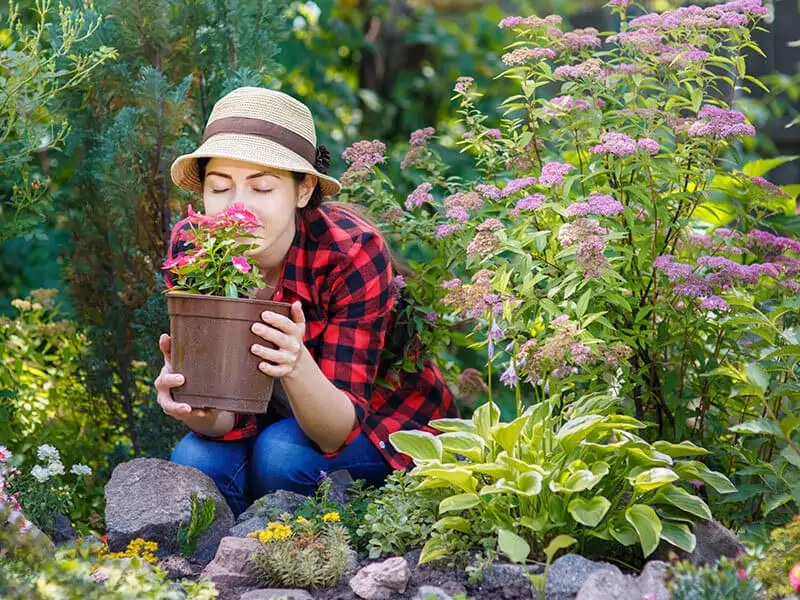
(212, 306)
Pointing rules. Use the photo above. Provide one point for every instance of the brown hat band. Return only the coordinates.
(270, 131)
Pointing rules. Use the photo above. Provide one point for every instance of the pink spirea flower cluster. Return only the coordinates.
(553, 173)
(590, 255)
(530, 23)
(15, 516)
(463, 84)
(492, 192)
(758, 239)
(729, 14)
(419, 196)
(520, 56)
(531, 202)
(517, 185)
(591, 69)
(620, 144)
(598, 204)
(578, 39)
(643, 40)
(421, 136)
(571, 233)
(713, 120)
(361, 157)
(769, 186)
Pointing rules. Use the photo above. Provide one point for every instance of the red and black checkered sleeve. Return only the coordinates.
(360, 307)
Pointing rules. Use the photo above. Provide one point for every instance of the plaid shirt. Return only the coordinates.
(339, 268)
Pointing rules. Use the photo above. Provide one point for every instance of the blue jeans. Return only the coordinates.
(280, 457)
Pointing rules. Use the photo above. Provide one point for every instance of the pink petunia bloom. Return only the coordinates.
(238, 214)
(794, 577)
(241, 264)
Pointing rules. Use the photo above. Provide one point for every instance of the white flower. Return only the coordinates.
(79, 469)
(40, 474)
(48, 453)
(56, 468)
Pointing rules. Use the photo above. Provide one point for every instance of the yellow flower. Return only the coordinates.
(273, 531)
(302, 520)
(151, 546)
(331, 517)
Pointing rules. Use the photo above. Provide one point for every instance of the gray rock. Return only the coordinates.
(379, 580)
(177, 567)
(150, 497)
(605, 584)
(505, 580)
(568, 573)
(63, 531)
(430, 592)
(276, 594)
(272, 505)
(231, 567)
(714, 541)
(103, 572)
(250, 525)
(340, 483)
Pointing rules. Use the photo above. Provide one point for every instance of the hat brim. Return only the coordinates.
(247, 148)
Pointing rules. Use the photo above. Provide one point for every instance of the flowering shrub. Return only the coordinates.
(777, 566)
(590, 251)
(306, 554)
(41, 492)
(727, 579)
(213, 261)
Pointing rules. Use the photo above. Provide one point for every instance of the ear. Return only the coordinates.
(304, 190)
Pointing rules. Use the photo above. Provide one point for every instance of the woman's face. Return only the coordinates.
(272, 195)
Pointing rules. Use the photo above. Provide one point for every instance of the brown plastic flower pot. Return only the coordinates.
(211, 340)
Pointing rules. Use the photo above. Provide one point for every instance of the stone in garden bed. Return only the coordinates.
(148, 498)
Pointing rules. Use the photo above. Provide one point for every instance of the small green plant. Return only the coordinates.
(202, 516)
(561, 542)
(307, 554)
(779, 558)
(400, 517)
(727, 579)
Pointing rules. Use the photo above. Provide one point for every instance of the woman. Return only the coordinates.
(259, 149)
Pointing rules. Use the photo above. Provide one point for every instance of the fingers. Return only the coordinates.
(164, 383)
(165, 345)
(285, 324)
(277, 337)
(297, 313)
(276, 356)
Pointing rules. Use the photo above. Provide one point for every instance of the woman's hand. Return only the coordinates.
(287, 335)
(167, 380)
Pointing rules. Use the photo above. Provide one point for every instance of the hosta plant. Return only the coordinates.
(555, 470)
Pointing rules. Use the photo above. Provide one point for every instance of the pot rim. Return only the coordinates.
(187, 295)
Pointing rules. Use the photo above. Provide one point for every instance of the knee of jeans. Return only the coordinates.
(283, 460)
(193, 451)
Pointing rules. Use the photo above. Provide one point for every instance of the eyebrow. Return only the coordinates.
(253, 176)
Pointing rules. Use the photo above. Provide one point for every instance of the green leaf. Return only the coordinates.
(459, 502)
(757, 376)
(446, 425)
(791, 455)
(537, 524)
(774, 502)
(560, 542)
(680, 498)
(583, 304)
(458, 476)
(513, 546)
(507, 434)
(647, 525)
(762, 166)
(679, 450)
(577, 429)
(434, 548)
(758, 426)
(455, 523)
(623, 533)
(654, 478)
(679, 535)
(419, 445)
(589, 512)
(466, 444)
(484, 417)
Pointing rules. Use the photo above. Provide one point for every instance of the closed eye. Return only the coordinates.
(262, 191)
(220, 191)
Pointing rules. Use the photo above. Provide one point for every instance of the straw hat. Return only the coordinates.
(260, 126)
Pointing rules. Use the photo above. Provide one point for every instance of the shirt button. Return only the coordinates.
(382, 444)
